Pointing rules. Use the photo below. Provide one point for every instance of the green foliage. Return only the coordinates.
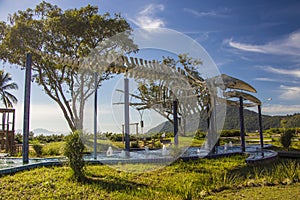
(283, 123)
(6, 97)
(134, 145)
(158, 145)
(53, 149)
(199, 134)
(38, 148)
(232, 121)
(286, 138)
(230, 133)
(49, 138)
(19, 138)
(72, 33)
(74, 152)
(117, 137)
(274, 131)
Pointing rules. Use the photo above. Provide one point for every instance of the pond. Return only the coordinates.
(164, 155)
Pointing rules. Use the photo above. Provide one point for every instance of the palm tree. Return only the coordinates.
(5, 84)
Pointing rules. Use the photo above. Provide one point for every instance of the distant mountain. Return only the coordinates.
(232, 121)
(41, 131)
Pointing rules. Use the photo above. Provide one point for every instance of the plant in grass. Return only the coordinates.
(74, 152)
(53, 149)
(289, 171)
(286, 138)
(38, 148)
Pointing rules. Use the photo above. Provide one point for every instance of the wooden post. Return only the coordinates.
(25, 148)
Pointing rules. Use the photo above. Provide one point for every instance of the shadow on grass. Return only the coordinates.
(113, 183)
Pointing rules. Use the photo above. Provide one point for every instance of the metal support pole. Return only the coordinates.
(242, 127)
(123, 134)
(95, 114)
(261, 137)
(142, 126)
(208, 121)
(126, 116)
(214, 125)
(25, 149)
(175, 118)
(137, 132)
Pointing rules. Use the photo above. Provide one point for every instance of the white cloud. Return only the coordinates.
(147, 19)
(277, 109)
(291, 72)
(289, 45)
(246, 47)
(289, 92)
(201, 14)
(223, 12)
(266, 79)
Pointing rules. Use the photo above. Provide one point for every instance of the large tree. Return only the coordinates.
(72, 33)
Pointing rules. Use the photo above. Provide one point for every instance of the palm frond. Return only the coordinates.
(5, 84)
(11, 86)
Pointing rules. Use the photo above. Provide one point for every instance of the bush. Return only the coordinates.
(230, 133)
(38, 148)
(134, 145)
(158, 145)
(74, 151)
(115, 137)
(199, 134)
(286, 138)
(53, 149)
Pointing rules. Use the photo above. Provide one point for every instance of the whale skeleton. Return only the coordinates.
(180, 83)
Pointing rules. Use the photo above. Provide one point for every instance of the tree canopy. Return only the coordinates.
(72, 33)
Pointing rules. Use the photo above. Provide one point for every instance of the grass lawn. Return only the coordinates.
(207, 178)
(266, 192)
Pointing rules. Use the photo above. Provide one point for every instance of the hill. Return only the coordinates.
(41, 131)
(232, 121)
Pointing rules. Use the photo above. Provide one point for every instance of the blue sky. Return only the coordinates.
(256, 41)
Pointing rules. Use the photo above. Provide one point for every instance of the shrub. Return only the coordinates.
(134, 145)
(158, 145)
(115, 137)
(74, 151)
(286, 138)
(53, 149)
(230, 133)
(38, 148)
(199, 134)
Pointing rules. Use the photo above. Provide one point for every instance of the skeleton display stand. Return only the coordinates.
(178, 81)
(7, 130)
